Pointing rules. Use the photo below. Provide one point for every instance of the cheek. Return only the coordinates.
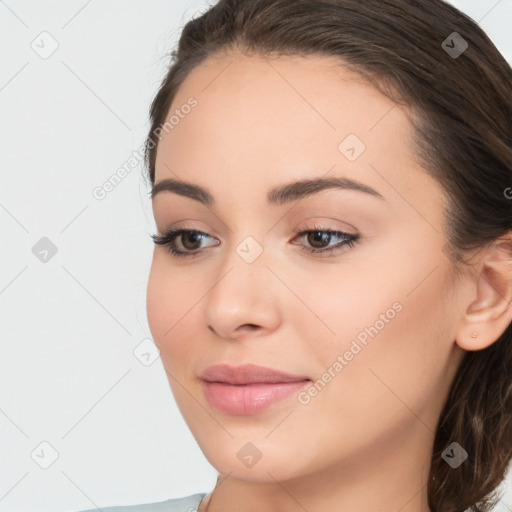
(387, 300)
(339, 304)
(386, 319)
(395, 345)
(169, 304)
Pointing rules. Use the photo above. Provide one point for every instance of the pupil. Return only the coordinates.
(191, 237)
(318, 236)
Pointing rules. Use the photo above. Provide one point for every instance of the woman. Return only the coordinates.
(331, 284)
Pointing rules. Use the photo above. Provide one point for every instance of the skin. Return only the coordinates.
(365, 441)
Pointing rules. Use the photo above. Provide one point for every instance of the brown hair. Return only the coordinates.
(463, 138)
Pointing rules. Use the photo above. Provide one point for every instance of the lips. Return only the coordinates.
(248, 389)
(248, 374)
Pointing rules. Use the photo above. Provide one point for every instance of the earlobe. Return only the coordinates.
(490, 310)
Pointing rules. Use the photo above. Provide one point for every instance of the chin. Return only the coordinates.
(256, 460)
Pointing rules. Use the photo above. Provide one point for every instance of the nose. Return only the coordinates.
(243, 299)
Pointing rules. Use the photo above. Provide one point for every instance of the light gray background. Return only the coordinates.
(69, 327)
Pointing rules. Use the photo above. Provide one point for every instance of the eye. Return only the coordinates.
(189, 242)
(320, 238)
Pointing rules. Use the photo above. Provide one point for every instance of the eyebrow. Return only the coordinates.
(276, 196)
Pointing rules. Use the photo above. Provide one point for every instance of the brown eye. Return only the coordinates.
(319, 239)
(191, 240)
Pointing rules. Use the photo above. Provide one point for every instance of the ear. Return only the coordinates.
(489, 312)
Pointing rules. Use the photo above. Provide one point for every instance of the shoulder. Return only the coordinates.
(186, 504)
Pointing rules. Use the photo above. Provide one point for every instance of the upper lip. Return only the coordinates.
(247, 374)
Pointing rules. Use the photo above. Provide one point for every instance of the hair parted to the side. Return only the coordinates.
(463, 137)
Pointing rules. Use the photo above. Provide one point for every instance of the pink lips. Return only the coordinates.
(249, 388)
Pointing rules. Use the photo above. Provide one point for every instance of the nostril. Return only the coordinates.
(250, 326)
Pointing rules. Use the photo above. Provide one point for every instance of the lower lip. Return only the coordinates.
(243, 400)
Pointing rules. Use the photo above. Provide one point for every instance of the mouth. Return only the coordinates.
(248, 389)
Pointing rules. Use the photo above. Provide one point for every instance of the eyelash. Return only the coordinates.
(167, 240)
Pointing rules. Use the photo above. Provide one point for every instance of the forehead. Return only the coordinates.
(268, 120)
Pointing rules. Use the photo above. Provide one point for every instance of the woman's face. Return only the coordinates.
(371, 323)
